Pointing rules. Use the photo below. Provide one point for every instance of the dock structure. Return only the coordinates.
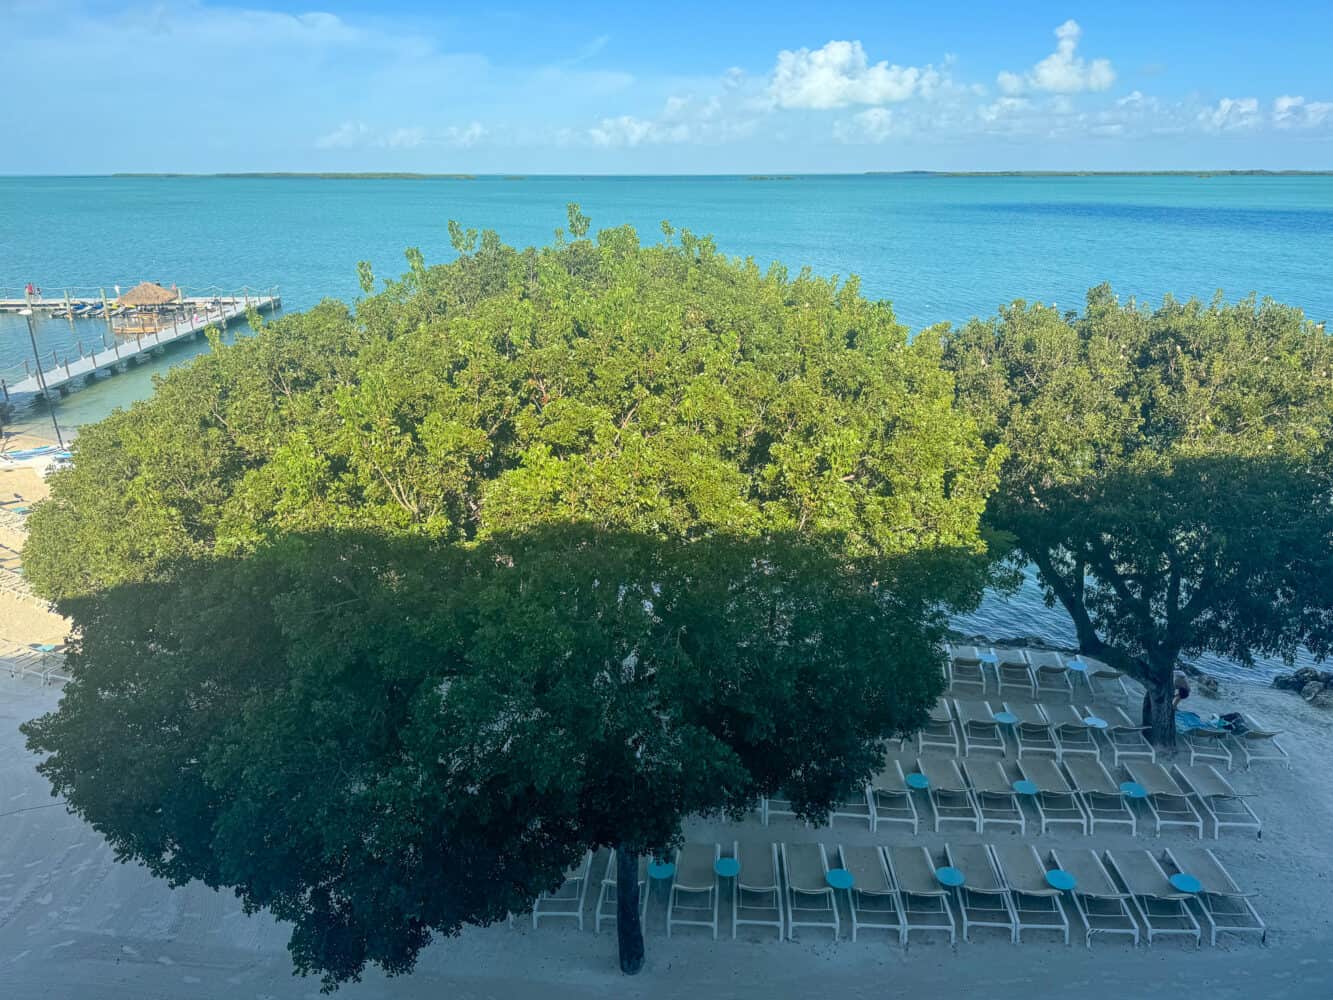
(57, 374)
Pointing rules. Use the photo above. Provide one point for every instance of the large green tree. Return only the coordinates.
(664, 389)
(1169, 473)
(382, 740)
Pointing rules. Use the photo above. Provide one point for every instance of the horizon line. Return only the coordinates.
(746, 175)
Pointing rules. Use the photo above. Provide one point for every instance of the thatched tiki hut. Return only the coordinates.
(151, 309)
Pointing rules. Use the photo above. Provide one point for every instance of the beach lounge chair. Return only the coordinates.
(858, 807)
(1051, 675)
(1012, 671)
(1072, 734)
(1056, 801)
(777, 805)
(809, 898)
(949, 792)
(607, 901)
(1033, 731)
(568, 900)
(976, 723)
(940, 731)
(1258, 743)
(1102, 904)
(891, 799)
(694, 895)
(1102, 799)
(1224, 905)
(1160, 906)
(1216, 799)
(1167, 802)
(1036, 904)
(993, 792)
(983, 898)
(756, 891)
(965, 668)
(1209, 745)
(1125, 737)
(873, 897)
(924, 902)
(1104, 679)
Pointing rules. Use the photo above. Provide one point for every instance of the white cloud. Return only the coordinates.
(359, 135)
(627, 130)
(840, 74)
(1297, 112)
(348, 135)
(466, 136)
(1230, 114)
(871, 125)
(1061, 72)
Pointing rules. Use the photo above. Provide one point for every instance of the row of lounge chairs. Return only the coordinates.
(1032, 672)
(1078, 792)
(962, 726)
(907, 889)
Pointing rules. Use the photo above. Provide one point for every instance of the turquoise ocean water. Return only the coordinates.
(942, 249)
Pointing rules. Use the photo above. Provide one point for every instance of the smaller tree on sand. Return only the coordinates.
(1169, 473)
(381, 740)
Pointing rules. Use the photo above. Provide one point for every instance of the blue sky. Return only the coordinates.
(181, 85)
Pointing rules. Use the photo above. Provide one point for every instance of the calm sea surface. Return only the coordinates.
(941, 249)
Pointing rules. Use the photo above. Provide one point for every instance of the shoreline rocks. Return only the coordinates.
(1315, 686)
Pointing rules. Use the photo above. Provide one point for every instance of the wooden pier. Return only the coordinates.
(196, 314)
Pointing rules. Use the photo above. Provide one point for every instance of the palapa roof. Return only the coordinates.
(148, 294)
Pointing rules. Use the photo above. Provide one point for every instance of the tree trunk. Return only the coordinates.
(629, 930)
(1159, 716)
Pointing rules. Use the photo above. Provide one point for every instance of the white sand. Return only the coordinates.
(24, 619)
(75, 924)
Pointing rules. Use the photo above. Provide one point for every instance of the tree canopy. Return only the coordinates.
(661, 389)
(381, 739)
(1169, 472)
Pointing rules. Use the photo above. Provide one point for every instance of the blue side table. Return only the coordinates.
(918, 781)
(951, 877)
(1006, 718)
(990, 658)
(727, 867)
(661, 870)
(1133, 790)
(1184, 882)
(1058, 878)
(1078, 665)
(839, 878)
(1095, 722)
(1025, 787)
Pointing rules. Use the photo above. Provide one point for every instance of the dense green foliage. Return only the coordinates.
(1170, 473)
(662, 389)
(382, 739)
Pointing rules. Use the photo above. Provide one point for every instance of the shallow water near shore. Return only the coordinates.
(942, 249)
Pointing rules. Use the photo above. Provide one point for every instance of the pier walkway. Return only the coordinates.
(57, 374)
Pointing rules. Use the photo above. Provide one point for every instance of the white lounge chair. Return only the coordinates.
(566, 901)
(1033, 732)
(983, 898)
(993, 792)
(1012, 671)
(756, 891)
(940, 732)
(1167, 802)
(1056, 801)
(976, 723)
(924, 902)
(1103, 678)
(1073, 736)
(1051, 675)
(1224, 905)
(1103, 801)
(694, 895)
(949, 792)
(1125, 737)
(873, 898)
(1036, 903)
(1102, 904)
(1209, 745)
(892, 799)
(1160, 906)
(965, 668)
(1258, 744)
(607, 911)
(1216, 799)
(809, 898)
(858, 807)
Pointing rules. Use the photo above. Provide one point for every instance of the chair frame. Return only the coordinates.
(858, 898)
(825, 894)
(686, 894)
(580, 887)
(739, 890)
(608, 893)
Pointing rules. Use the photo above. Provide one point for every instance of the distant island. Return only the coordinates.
(324, 176)
(1099, 173)
(393, 176)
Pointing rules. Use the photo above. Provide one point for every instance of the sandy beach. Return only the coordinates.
(73, 922)
(24, 619)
